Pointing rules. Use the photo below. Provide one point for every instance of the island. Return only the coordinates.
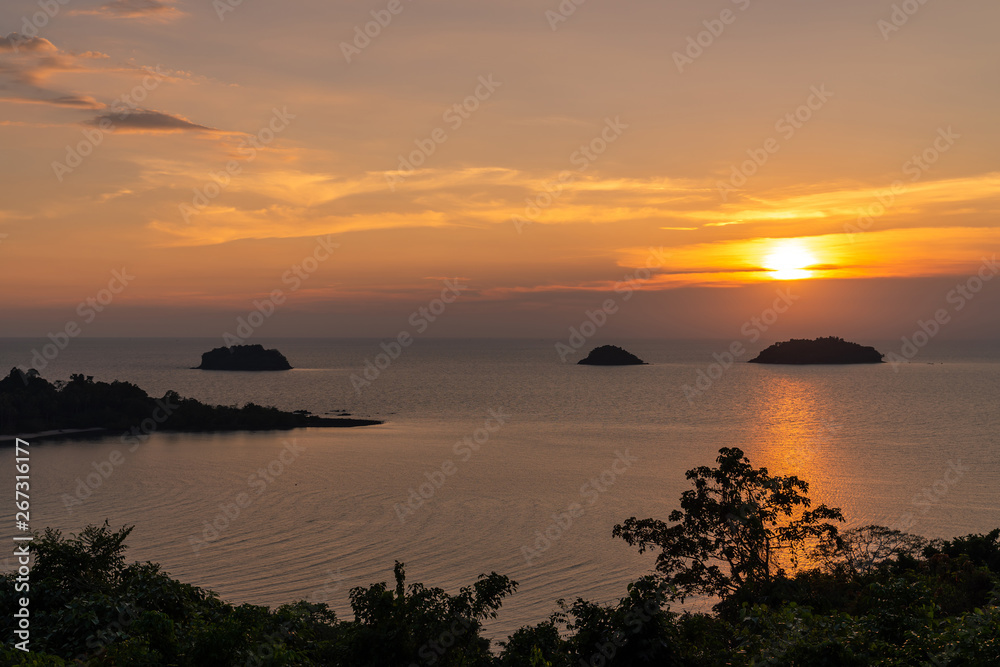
(243, 358)
(829, 350)
(611, 355)
(31, 405)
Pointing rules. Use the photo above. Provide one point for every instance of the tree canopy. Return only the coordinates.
(740, 526)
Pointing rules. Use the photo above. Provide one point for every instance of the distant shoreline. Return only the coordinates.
(8, 439)
(83, 406)
(55, 434)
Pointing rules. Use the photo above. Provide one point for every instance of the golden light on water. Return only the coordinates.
(799, 436)
(789, 260)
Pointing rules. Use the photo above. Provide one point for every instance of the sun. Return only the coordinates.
(789, 260)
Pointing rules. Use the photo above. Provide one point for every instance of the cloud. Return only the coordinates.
(77, 101)
(17, 42)
(147, 120)
(27, 61)
(143, 10)
(833, 206)
(72, 101)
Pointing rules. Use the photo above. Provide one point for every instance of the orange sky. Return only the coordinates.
(540, 160)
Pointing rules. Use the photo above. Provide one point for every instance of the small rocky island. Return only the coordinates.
(830, 350)
(243, 358)
(611, 355)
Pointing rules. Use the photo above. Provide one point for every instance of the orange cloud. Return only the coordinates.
(143, 10)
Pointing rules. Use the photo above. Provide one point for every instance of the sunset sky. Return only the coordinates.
(539, 157)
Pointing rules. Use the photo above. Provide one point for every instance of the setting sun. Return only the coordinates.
(295, 291)
(789, 261)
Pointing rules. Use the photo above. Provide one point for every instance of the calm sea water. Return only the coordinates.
(325, 505)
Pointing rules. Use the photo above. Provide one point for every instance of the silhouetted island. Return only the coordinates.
(30, 404)
(830, 350)
(611, 355)
(243, 358)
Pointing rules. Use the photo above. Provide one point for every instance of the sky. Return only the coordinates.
(169, 166)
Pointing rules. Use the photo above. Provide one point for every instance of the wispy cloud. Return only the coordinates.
(142, 10)
(26, 63)
(147, 121)
(72, 101)
(838, 202)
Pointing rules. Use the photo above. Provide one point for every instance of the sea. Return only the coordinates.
(499, 456)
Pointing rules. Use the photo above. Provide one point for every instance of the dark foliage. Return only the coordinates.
(878, 597)
(981, 550)
(739, 528)
(30, 404)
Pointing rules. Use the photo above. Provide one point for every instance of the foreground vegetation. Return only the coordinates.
(870, 596)
(31, 404)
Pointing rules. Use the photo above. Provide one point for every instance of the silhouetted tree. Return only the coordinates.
(860, 550)
(738, 527)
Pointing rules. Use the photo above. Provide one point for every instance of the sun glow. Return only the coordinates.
(789, 260)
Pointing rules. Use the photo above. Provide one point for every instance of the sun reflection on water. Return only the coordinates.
(797, 434)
